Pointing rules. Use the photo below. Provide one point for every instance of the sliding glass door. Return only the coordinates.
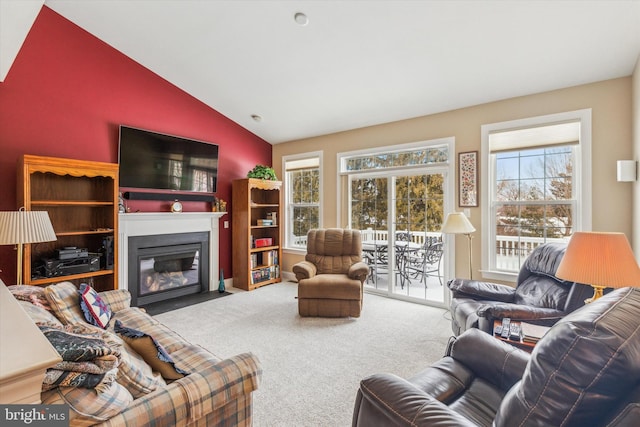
(397, 196)
(400, 215)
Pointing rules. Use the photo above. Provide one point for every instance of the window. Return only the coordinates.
(536, 187)
(418, 193)
(303, 197)
(399, 158)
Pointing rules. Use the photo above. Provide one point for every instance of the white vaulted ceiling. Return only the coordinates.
(360, 63)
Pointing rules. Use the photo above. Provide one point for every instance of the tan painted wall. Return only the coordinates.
(609, 100)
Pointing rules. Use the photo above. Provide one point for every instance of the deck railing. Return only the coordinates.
(511, 251)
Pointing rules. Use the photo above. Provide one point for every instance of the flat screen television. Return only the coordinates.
(151, 160)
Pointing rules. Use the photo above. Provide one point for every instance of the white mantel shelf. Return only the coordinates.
(155, 223)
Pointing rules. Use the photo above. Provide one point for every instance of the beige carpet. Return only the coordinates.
(313, 366)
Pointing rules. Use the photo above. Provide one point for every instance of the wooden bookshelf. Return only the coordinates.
(81, 198)
(255, 262)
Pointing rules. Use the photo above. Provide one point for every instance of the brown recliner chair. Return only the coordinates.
(585, 371)
(331, 277)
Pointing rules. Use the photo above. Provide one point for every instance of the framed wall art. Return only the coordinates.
(468, 179)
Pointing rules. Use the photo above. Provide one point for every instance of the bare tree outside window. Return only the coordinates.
(534, 195)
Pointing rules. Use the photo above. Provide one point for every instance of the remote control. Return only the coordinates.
(506, 324)
(497, 330)
(514, 331)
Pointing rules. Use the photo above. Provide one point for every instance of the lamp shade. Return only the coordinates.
(600, 259)
(17, 227)
(457, 223)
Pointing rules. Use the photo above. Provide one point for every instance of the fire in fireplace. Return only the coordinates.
(167, 266)
(164, 272)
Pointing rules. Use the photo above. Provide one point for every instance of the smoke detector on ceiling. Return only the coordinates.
(301, 18)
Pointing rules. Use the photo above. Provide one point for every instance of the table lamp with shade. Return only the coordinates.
(22, 226)
(601, 260)
(457, 223)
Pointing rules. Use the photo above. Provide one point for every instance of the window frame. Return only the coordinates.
(288, 205)
(343, 182)
(581, 182)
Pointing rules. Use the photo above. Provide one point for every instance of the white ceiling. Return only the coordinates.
(360, 63)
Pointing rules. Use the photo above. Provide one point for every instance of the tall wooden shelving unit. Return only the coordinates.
(252, 200)
(81, 198)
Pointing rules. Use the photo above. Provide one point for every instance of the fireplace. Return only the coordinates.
(167, 266)
(151, 224)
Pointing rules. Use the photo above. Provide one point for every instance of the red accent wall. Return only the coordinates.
(65, 96)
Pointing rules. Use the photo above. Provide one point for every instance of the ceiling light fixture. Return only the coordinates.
(256, 118)
(301, 19)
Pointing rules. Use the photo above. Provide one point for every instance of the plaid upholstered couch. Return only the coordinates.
(208, 390)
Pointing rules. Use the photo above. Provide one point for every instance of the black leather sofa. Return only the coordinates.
(584, 372)
(539, 297)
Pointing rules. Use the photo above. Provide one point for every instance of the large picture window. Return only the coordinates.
(303, 193)
(536, 187)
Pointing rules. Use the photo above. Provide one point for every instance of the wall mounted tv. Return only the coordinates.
(155, 161)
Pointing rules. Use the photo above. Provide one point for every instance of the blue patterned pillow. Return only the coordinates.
(96, 311)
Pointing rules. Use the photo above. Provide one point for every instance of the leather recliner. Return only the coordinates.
(332, 275)
(539, 297)
(585, 371)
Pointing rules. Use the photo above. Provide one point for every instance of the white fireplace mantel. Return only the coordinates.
(155, 223)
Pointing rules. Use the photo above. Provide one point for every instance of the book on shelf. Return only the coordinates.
(264, 274)
(532, 333)
(266, 258)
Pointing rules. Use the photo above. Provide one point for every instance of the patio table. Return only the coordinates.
(376, 254)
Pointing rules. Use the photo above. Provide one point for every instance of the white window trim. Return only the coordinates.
(285, 159)
(583, 187)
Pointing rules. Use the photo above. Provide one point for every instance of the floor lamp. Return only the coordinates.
(602, 260)
(22, 226)
(457, 223)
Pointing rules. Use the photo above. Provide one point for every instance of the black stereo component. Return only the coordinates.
(72, 253)
(192, 197)
(54, 267)
(107, 253)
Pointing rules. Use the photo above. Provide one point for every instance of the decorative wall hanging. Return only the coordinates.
(468, 179)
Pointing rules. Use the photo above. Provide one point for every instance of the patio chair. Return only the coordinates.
(424, 263)
(403, 236)
(378, 261)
